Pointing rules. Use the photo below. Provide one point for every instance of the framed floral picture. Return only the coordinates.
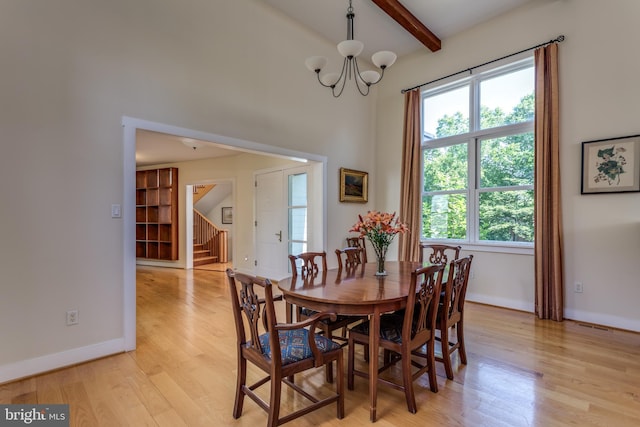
(611, 165)
(353, 186)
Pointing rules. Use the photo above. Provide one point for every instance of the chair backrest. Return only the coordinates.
(349, 258)
(422, 304)
(358, 242)
(307, 263)
(456, 289)
(247, 303)
(439, 254)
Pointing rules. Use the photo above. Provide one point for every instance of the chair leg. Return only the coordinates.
(240, 382)
(274, 402)
(446, 354)
(351, 355)
(461, 349)
(340, 385)
(329, 366)
(431, 365)
(407, 381)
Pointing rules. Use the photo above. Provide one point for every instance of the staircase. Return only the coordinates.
(210, 243)
(202, 255)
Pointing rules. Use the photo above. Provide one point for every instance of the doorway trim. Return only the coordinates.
(129, 127)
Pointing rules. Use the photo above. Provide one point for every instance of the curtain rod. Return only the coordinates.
(558, 39)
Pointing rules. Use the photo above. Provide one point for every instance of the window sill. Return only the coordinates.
(499, 248)
(488, 247)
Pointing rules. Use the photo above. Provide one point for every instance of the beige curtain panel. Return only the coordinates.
(548, 213)
(410, 211)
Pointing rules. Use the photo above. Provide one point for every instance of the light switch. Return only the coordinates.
(116, 212)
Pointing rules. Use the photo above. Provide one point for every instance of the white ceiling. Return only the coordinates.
(378, 31)
(327, 18)
(153, 148)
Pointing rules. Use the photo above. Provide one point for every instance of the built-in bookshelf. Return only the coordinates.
(157, 214)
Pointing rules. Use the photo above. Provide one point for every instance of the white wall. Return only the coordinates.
(72, 69)
(599, 96)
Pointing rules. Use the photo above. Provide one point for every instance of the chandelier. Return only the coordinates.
(350, 49)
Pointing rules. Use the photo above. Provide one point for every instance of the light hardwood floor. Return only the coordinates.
(521, 371)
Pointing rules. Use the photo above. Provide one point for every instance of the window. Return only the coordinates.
(297, 212)
(478, 152)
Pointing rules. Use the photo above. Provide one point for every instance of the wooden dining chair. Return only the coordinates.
(400, 335)
(358, 242)
(350, 258)
(279, 349)
(309, 267)
(439, 254)
(451, 312)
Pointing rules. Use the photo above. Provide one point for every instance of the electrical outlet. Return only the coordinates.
(72, 317)
(577, 287)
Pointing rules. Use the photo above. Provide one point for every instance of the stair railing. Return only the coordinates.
(211, 237)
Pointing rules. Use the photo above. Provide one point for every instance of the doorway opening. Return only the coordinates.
(130, 127)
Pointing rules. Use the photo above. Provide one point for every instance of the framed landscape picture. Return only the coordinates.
(227, 215)
(611, 165)
(353, 186)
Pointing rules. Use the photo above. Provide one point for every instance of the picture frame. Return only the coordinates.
(611, 165)
(354, 186)
(227, 215)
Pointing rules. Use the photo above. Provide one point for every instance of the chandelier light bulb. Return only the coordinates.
(316, 63)
(383, 59)
(370, 77)
(350, 48)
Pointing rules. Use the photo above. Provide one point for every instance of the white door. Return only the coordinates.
(271, 232)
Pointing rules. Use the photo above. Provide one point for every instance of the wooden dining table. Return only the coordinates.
(354, 292)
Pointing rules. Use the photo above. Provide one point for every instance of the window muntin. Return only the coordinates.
(478, 183)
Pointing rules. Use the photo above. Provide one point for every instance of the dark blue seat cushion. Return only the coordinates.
(294, 345)
(390, 328)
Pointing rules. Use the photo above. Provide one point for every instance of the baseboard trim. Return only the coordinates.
(500, 302)
(50, 362)
(605, 320)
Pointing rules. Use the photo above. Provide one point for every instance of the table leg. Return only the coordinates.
(374, 342)
(289, 312)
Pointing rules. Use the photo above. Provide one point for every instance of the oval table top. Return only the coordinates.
(355, 292)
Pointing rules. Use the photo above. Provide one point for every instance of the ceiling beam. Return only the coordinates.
(417, 29)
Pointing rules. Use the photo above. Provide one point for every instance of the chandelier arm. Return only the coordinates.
(381, 75)
(320, 81)
(343, 77)
(358, 79)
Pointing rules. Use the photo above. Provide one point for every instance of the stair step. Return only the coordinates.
(205, 260)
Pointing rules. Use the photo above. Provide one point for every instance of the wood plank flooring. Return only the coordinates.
(521, 372)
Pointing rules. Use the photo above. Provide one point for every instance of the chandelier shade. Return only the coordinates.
(350, 49)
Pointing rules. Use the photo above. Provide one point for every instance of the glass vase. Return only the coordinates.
(380, 271)
(381, 254)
